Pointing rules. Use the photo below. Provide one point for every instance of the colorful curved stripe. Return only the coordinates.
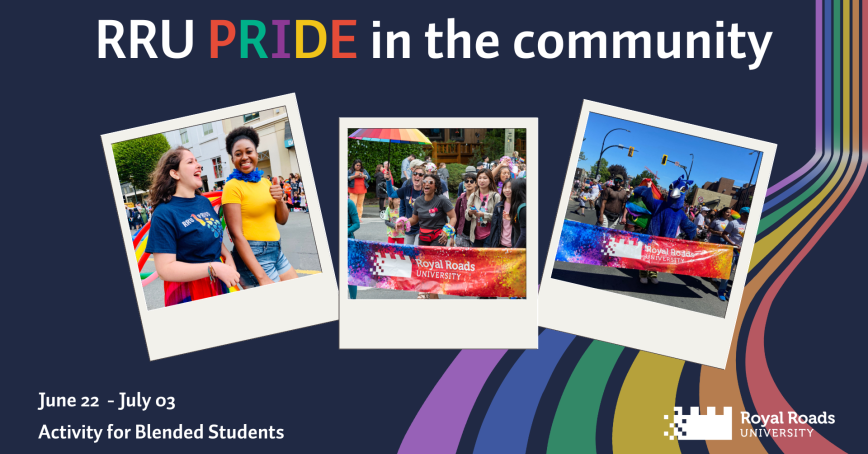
(648, 393)
(769, 204)
(440, 422)
(507, 423)
(574, 428)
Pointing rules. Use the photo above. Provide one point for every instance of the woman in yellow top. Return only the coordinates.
(253, 207)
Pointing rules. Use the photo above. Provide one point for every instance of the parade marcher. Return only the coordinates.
(302, 201)
(253, 206)
(666, 216)
(186, 237)
(613, 205)
(486, 163)
(733, 234)
(480, 208)
(462, 227)
(699, 220)
(502, 174)
(405, 169)
(357, 185)
(718, 225)
(353, 224)
(143, 212)
(444, 178)
(408, 194)
(435, 216)
(503, 233)
(519, 218)
(468, 169)
(394, 229)
(380, 190)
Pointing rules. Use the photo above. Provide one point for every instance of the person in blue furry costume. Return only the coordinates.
(666, 216)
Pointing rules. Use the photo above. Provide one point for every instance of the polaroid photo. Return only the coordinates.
(440, 246)
(656, 224)
(222, 226)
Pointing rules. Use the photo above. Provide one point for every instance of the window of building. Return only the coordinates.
(184, 137)
(207, 128)
(456, 135)
(218, 168)
(263, 155)
(435, 134)
(251, 117)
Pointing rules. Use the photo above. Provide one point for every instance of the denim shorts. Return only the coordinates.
(268, 254)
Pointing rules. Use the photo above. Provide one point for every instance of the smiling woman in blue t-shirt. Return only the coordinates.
(186, 237)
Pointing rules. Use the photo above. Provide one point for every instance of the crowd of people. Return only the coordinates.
(610, 200)
(490, 210)
(186, 235)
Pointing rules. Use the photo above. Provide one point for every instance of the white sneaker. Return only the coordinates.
(654, 280)
(383, 215)
(643, 280)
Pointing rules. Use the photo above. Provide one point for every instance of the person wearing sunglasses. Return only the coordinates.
(613, 207)
(408, 193)
(462, 228)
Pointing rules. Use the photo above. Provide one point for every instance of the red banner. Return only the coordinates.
(491, 272)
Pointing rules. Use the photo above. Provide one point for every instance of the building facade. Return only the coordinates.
(207, 142)
(277, 156)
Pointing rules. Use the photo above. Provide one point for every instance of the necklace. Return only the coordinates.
(252, 177)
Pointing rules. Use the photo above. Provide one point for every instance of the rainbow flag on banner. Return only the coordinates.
(594, 245)
(444, 270)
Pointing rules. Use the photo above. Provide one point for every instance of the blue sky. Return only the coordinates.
(712, 160)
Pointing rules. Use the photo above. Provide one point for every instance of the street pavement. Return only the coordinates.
(374, 229)
(686, 292)
(296, 242)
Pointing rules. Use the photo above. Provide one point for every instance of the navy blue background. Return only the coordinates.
(71, 324)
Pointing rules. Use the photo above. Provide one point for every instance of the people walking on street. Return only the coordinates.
(462, 227)
(433, 212)
(613, 205)
(357, 185)
(444, 178)
(406, 171)
(253, 206)
(467, 170)
(408, 194)
(380, 190)
(303, 201)
(186, 237)
(733, 234)
(718, 225)
(394, 231)
(503, 233)
(480, 208)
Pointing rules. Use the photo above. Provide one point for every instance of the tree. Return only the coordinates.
(604, 172)
(692, 193)
(135, 159)
(373, 153)
(638, 179)
(617, 169)
(495, 141)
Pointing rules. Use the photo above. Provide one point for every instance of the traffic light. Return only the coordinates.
(665, 157)
(630, 152)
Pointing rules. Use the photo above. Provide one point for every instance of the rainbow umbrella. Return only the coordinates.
(391, 135)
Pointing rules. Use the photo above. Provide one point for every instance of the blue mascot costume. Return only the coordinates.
(666, 216)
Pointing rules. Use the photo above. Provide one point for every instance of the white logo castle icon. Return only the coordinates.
(626, 248)
(694, 426)
(391, 265)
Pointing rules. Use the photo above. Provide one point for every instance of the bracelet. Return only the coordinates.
(449, 230)
(211, 272)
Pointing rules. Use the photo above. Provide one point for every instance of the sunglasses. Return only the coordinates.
(618, 180)
(418, 174)
(469, 181)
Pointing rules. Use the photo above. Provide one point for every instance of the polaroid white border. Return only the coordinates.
(442, 324)
(636, 323)
(241, 315)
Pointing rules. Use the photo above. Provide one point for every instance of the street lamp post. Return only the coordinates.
(691, 166)
(750, 180)
(603, 148)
